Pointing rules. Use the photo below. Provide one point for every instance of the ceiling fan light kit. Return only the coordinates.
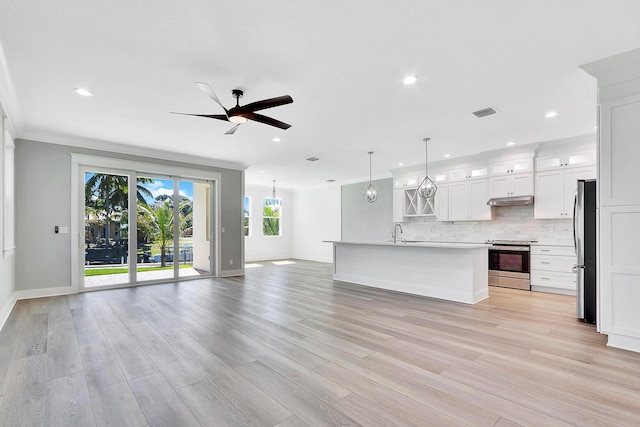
(242, 113)
(371, 195)
(427, 188)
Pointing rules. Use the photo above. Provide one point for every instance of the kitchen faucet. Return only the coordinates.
(395, 232)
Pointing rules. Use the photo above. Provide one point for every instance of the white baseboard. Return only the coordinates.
(46, 292)
(231, 273)
(624, 342)
(6, 310)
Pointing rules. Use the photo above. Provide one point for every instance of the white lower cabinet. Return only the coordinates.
(552, 269)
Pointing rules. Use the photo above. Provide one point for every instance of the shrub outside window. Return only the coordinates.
(271, 216)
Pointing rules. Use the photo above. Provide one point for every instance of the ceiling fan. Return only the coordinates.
(241, 113)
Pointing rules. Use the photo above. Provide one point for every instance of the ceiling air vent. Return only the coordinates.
(484, 113)
(312, 159)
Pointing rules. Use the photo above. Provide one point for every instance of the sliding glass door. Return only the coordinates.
(170, 237)
(106, 229)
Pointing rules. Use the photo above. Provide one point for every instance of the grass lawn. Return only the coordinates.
(119, 270)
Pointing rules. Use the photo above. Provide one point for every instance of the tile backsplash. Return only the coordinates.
(509, 222)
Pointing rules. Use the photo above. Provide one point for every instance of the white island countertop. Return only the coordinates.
(417, 243)
(454, 271)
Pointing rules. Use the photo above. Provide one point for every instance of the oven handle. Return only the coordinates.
(510, 248)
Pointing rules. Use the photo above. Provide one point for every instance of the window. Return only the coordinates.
(247, 216)
(271, 216)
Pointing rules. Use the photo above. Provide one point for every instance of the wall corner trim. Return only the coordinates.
(6, 310)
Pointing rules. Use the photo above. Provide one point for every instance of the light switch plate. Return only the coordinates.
(64, 230)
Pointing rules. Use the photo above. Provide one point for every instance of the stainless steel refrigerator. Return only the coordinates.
(584, 237)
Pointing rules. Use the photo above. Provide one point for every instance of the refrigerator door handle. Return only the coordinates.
(575, 218)
(579, 291)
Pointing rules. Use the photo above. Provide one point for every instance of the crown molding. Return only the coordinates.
(131, 150)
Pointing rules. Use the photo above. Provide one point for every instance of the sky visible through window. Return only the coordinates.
(159, 187)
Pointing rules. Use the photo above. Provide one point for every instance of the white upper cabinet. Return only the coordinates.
(511, 185)
(442, 203)
(512, 167)
(555, 191)
(619, 152)
(569, 160)
(408, 181)
(468, 201)
(398, 205)
(468, 173)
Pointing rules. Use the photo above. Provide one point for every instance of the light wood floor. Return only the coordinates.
(287, 346)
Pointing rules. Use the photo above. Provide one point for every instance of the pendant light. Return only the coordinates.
(275, 200)
(427, 188)
(371, 194)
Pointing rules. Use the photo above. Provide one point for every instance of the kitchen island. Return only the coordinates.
(446, 270)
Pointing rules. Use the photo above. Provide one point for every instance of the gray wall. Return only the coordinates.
(364, 221)
(43, 200)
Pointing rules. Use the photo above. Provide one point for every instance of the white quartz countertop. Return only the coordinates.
(413, 244)
(562, 244)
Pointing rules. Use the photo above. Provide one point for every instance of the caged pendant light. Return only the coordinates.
(427, 188)
(371, 195)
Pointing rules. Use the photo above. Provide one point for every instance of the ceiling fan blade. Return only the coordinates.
(232, 130)
(267, 120)
(210, 93)
(264, 104)
(210, 116)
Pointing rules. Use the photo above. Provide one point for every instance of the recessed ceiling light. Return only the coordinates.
(261, 171)
(595, 127)
(510, 143)
(83, 92)
(276, 139)
(447, 155)
(312, 159)
(331, 180)
(409, 80)
(400, 164)
(551, 114)
(317, 180)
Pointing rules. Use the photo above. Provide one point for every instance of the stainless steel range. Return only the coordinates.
(509, 263)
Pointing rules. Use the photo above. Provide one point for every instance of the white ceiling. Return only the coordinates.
(342, 62)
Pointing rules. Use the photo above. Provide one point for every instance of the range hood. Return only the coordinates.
(511, 201)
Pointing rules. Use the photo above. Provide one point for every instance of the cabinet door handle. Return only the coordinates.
(544, 250)
(544, 262)
(544, 278)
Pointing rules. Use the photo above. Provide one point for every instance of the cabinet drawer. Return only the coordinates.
(553, 279)
(551, 263)
(553, 250)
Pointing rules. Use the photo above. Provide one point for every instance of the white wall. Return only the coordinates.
(316, 217)
(258, 247)
(363, 221)
(7, 260)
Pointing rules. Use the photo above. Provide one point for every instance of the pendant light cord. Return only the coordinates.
(426, 149)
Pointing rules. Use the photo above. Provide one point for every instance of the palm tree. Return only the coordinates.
(109, 194)
(185, 212)
(163, 225)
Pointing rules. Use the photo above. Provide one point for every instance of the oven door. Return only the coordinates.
(509, 259)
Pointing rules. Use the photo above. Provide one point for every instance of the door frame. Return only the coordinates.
(81, 162)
